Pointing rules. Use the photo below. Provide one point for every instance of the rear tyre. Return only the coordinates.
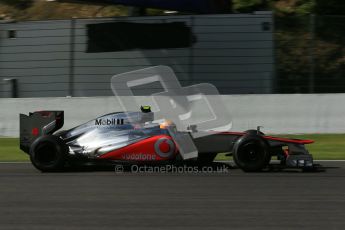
(48, 153)
(251, 153)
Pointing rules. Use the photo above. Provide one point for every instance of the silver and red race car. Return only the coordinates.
(133, 138)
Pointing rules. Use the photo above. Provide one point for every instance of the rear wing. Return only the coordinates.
(38, 124)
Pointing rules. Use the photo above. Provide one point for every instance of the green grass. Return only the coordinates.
(326, 147)
(9, 150)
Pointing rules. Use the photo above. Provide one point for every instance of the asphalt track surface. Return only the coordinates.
(233, 200)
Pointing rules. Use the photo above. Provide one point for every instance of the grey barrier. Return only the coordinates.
(277, 113)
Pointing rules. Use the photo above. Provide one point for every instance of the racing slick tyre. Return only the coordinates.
(48, 153)
(251, 153)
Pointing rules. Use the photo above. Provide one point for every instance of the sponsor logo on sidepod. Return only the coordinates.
(139, 157)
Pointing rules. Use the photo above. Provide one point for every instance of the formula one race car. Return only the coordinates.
(132, 138)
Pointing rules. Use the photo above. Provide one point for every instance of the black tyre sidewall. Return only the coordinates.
(60, 153)
(264, 155)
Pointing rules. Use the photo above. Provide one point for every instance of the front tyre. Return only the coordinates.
(251, 153)
(48, 153)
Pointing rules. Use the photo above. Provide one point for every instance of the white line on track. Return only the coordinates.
(329, 160)
(275, 161)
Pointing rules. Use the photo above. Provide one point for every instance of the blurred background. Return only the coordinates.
(72, 48)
